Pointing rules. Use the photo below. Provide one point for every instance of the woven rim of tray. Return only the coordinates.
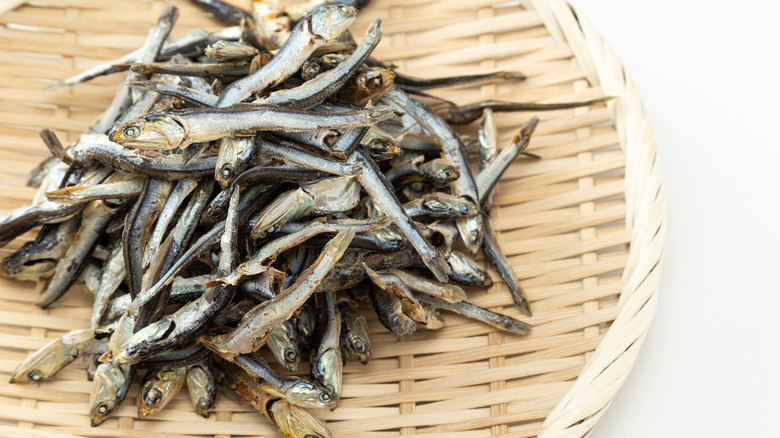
(601, 378)
(607, 367)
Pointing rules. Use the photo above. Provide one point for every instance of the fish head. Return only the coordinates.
(329, 367)
(138, 347)
(310, 394)
(152, 132)
(444, 205)
(381, 147)
(311, 68)
(440, 172)
(375, 78)
(233, 157)
(159, 388)
(358, 344)
(330, 21)
(45, 362)
(109, 387)
(369, 85)
(21, 268)
(202, 389)
(328, 137)
(293, 421)
(305, 323)
(283, 344)
(471, 230)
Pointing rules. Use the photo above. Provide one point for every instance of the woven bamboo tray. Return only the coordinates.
(583, 227)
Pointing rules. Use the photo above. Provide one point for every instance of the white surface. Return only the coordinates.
(708, 72)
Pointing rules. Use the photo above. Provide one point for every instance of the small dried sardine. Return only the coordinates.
(55, 355)
(180, 129)
(447, 292)
(109, 388)
(493, 319)
(326, 360)
(300, 391)
(463, 114)
(41, 255)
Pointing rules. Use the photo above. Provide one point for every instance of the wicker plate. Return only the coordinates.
(583, 228)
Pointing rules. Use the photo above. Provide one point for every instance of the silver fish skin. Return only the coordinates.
(137, 227)
(98, 149)
(175, 199)
(288, 152)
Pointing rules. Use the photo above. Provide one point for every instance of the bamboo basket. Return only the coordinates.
(583, 227)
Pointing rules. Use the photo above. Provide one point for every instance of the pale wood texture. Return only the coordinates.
(583, 228)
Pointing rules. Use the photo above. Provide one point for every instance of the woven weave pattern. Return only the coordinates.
(583, 228)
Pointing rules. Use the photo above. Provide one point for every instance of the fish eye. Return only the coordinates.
(343, 10)
(204, 403)
(359, 346)
(465, 209)
(330, 139)
(102, 409)
(131, 132)
(376, 82)
(290, 356)
(324, 397)
(474, 236)
(34, 375)
(227, 170)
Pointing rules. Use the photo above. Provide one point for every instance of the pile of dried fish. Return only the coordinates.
(249, 187)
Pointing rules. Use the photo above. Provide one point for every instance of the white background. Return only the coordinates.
(708, 72)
